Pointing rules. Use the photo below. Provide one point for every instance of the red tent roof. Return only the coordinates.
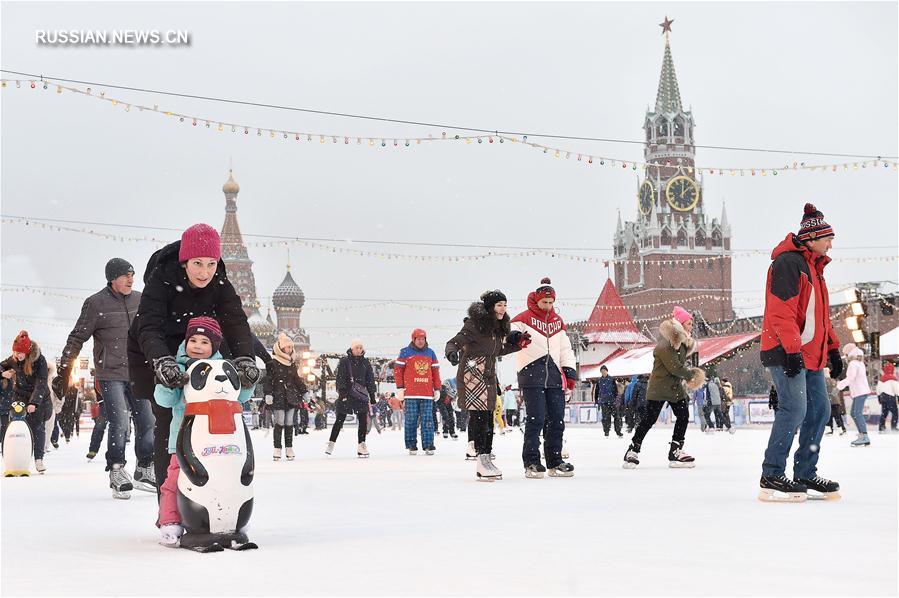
(610, 320)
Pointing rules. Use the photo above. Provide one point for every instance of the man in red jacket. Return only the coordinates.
(798, 342)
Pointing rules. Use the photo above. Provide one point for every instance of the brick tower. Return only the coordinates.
(672, 252)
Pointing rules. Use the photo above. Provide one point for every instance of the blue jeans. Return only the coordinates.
(99, 430)
(419, 410)
(858, 406)
(802, 403)
(118, 400)
(545, 407)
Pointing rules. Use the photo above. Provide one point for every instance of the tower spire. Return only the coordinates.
(668, 95)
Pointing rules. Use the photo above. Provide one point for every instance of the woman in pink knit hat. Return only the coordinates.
(671, 379)
(183, 280)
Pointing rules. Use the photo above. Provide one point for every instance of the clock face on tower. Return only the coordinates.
(682, 193)
(645, 197)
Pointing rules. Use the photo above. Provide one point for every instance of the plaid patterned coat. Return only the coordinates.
(481, 340)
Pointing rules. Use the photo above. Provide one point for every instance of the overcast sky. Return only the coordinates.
(805, 76)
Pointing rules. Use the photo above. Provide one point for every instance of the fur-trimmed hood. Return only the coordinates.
(674, 332)
(486, 322)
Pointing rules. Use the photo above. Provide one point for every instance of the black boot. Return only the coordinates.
(677, 457)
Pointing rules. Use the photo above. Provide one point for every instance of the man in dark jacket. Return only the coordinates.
(353, 369)
(183, 280)
(605, 394)
(798, 342)
(106, 316)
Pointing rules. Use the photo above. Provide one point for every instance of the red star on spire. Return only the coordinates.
(666, 25)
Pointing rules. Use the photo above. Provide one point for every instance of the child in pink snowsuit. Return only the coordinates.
(202, 341)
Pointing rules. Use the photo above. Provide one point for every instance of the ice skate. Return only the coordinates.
(485, 469)
(362, 451)
(731, 430)
(91, 455)
(120, 482)
(823, 488)
(413, 452)
(562, 470)
(470, 453)
(829, 433)
(145, 478)
(430, 450)
(170, 535)
(330, 448)
(276, 454)
(288, 452)
(862, 440)
(534, 471)
(445, 435)
(632, 456)
(677, 458)
(497, 474)
(39, 465)
(781, 489)
(454, 437)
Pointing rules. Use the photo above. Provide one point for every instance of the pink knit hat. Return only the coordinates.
(681, 315)
(200, 240)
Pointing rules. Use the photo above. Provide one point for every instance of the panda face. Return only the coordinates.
(211, 379)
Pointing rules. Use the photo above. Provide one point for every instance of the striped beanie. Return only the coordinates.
(813, 225)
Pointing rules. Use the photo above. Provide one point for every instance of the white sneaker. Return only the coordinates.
(171, 535)
(330, 448)
(288, 452)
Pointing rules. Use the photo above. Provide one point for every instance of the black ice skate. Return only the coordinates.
(677, 457)
(823, 488)
(781, 489)
(145, 478)
(632, 456)
(562, 470)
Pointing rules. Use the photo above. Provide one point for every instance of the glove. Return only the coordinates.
(793, 364)
(453, 357)
(269, 399)
(525, 340)
(401, 392)
(836, 363)
(59, 385)
(570, 384)
(772, 403)
(247, 371)
(168, 373)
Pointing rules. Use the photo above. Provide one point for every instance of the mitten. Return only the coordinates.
(793, 364)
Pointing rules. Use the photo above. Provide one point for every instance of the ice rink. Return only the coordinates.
(401, 525)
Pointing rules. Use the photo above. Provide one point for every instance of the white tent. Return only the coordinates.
(889, 344)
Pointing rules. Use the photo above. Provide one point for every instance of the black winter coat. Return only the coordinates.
(284, 384)
(31, 389)
(167, 304)
(362, 373)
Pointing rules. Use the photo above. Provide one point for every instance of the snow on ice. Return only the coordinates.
(400, 525)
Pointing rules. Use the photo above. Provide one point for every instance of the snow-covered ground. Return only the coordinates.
(400, 525)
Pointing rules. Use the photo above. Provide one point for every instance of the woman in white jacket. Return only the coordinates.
(857, 381)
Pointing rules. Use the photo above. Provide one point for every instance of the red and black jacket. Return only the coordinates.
(797, 307)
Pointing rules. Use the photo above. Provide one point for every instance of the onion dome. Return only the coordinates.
(259, 326)
(231, 187)
(288, 294)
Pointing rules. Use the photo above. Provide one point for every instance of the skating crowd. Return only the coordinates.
(145, 343)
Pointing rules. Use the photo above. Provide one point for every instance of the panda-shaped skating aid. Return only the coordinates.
(215, 453)
(17, 443)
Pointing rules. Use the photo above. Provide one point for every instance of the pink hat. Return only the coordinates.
(200, 240)
(681, 315)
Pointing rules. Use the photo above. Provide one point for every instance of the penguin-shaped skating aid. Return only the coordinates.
(17, 443)
(215, 453)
